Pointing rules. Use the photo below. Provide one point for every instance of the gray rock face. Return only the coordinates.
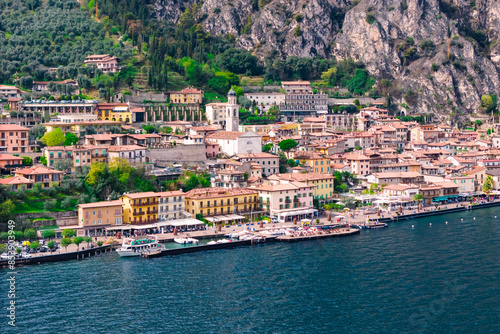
(441, 55)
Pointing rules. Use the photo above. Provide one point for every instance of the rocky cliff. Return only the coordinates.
(438, 55)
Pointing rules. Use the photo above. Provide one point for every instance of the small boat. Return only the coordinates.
(136, 246)
(375, 225)
(212, 242)
(223, 241)
(184, 241)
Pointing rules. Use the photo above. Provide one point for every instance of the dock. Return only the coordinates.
(341, 233)
(200, 248)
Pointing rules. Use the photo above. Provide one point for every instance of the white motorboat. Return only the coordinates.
(136, 246)
(223, 241)
(212, 242)
(185, 241)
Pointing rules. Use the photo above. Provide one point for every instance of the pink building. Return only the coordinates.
(14, 139)
(287, 200)
(212, 149)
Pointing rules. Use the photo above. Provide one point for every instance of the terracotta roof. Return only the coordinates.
(283, 186)
(125, 148)
(9, 157)
(37, 170)
(15, 180)
(231, 135)
(171, 193)
(12, 127)
(217, 192)
(303, 177)
(101, 204)
(256, 155)
(141, 195)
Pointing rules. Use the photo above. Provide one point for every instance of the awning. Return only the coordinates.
(186, 222)
(231, 217)
(440, 199)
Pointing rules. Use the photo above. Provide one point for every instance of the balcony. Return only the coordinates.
(145, 203)
(296, 200)
(99, 155)
(140, 213)
(287, 200)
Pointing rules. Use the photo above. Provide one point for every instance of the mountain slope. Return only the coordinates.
(438, 56)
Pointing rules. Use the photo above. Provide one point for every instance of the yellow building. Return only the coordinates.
(140, 208)
(80, 128)
(119, 112)
(94, 217)
(211, 202)
(188, 95)
(414, 167)
(323, 183)
(318, 163)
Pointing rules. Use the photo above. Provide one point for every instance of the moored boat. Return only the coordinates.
(136, 246)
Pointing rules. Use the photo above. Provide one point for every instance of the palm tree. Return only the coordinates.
(418, 198)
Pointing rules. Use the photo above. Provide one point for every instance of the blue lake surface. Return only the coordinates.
(443, 278)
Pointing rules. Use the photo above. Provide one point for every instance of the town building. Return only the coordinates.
(317, 163)
(187, 95)
(234, 142)
(16, 182)
(9, 162)
(322, 183)
(7, 92)
(219, 204)
(297, 87)
(106, 63)
(80, 128)
(171, 205)
(286, 200)
(140, 208)
(268, 162)
(14, 139)
(42, 175)
(264, 101)
(134, 154)
(114, 112)
(94, 218)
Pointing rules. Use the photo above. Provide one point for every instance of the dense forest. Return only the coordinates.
(36, 35)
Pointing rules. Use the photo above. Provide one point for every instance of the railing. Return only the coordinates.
(287, 200)
(146, 203)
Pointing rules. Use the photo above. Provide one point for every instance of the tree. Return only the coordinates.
(51, 244)
(30, 233)
(67, 204)
(77, 241)
(88, 240)
(418, 198)
(488, 185)
(99, 243)
(70, 139)
(48, 234)
(26, 81)
(487, 103)
(267, 147)
(35, 245)
(63, 164)
(37, 131)
(43, 160)
(27, 161)
(288, 144)
(349, 202)
(65, 242)
(49, 205)
(90, 130)
(6, 211)
(68, 233)
(54, 138)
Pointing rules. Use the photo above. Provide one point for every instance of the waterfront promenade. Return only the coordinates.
(354, 217)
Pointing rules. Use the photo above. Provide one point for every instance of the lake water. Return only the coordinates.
(430, 279)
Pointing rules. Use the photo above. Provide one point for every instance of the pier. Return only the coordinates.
(344, 232)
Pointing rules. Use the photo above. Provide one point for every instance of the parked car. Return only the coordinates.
(24, 255)
(44, 249)
(4, 256)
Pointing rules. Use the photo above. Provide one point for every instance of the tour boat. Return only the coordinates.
(136, 246)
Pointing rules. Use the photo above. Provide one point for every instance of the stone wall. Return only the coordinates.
(59, 214)
(178, 154)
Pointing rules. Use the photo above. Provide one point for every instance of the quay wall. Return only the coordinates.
(58, 214)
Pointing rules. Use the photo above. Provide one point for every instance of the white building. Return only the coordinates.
(266, 100)
(269, 162)
(171, 205)
(235, 142)
(224, 114)
(134, 154)
(7, 92)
